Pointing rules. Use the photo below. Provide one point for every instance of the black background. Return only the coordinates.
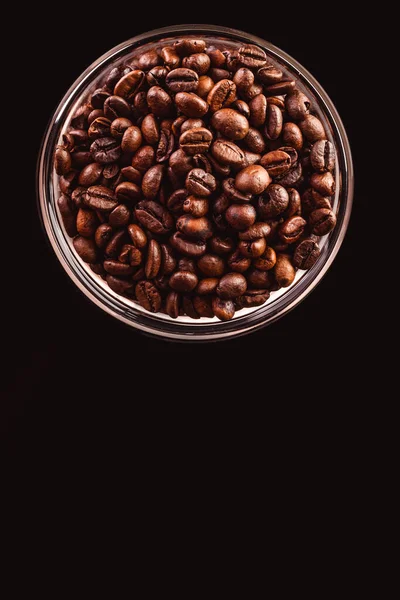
(76, 358)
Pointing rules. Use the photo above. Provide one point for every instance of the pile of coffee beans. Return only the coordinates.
(196, 179)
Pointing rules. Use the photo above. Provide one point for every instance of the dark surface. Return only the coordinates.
(75, 353)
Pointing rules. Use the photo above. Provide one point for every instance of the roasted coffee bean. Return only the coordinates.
(131, 139)
(252, 298)
(148, 60)
(151, 181)
(292, 136)
(312, 129)
(322, 221)
(196, 141)
(105, 150)
(157, 76)
(252, 57)
(252, 249)
(276, 162)
(186, 246)
(203, 306)
(188, 307)
(170, 57)
(192, 227)
(274, 201)
(274, 122)
(138, 236)
(115, 75)
(67, 182)
(242, 107)
(181, 163)
(306, 254)
(291, 177)
(68, 214)
(176, 200)
(128, 192)
(115, 107)
(159, 101)
(128, 86)
(211, 265)
(294, 206)
(80, 136)
(207, 286)
(284, 270)
(217, 58)
(200, 183)
(205, 86)
(258, 279)
(190, 104)
(231, 286)
(227, 152)
(110, 171)
(115, 244)
(323, 183)
(186, 47)
(187, 264)
(148, 296)
(221, 95)
(221, 245)
(268, 75)
(120, 286)
(62, 161)
(183, 281)
(81, 159)
(153, 262)
(278, 101)
(256, 231)
(230, 123)
(198, 62)
(266, 261)
(280, 88)
(238, 263)
(221, 204)
(150, 130)
(103, 235)
(154, 217)
(100, 198)
(90, 174)
(118, 127)
(114, 267)
(198, 207)
(297, 105)
(78, 196)
(132, 175)
(243, 79)
(165, 146)
(232, 193)
(323, 156)
(182, 80)
(172, 305)
(143, 158)
(98, 97)
(139, 274)
(292, 154)
(86, 222)
(85, 248)
(140, 107)
(252, 180)
(292, 229)
(79, 120)
(258, 110)
(120, 216)
(218, 74)
(223, 309)
(100, 127)
(130, 254)
(241, 216)
(255, 141)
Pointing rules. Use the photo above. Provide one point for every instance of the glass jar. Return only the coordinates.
(128, 311)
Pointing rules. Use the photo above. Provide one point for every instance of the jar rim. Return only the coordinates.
(150, 323)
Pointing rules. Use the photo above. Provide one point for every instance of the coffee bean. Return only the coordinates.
(268, 75)
(116, 268)
(198, 62)
(276, 162)
(153, 262)
(231, 286)
(274, 201)
(81, 159)
(170, 57)
(230, 123)
(118, 127)
(274, 122)
(143, 158)
(62, 161)
(207, 286)
(190, 104)
(140, 107)
(205, 86)
(67, 182)
(192, 227)
(252, 180)
(120, 216)
(186, 47)
(128, 86)
(243, 79)
(68, 214)
(152, 181)
(154, 217)
(148, 296)
(132, 139)
(258, 110)
(323, 183)
(148, 60)
(283, 270)
(130, 254)
(292, 229)
(211, 265)
(294, 206)
(176, 200)
(172, 305)
(252, 249)
(252, 298)
(186, 246)
(306, 254)
(78, 197)
(128, 192)
(138, 236)
(187, 264)
(223, 309)
(291, 177)
(241, 216)
(115, 244)
(200, 183)
(242, 107)
(103, 235)
(203, 306)
(256, 231)
(258, 279)
(90, 174)
(251, 57)
(253, 91)
(280, 88)
(157, 76)
(312, 129)
(86, 222)
(115, 107)
(218, 74)
(120, 286)
(221, 245)
(100, 198)
(238, 263)
(221, 95)
(85, 248)
(266, 261)
(183, 281)
(115, 75)
(217, 58)
(159, 102)
(323, 156)
(322, 221)
(182, 80)
(198, 207)
(195, 141)
(255, 141)
(297, 105)
(105, 150)
(227, 152)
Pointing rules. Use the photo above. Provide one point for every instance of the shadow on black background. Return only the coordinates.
(76, 358)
